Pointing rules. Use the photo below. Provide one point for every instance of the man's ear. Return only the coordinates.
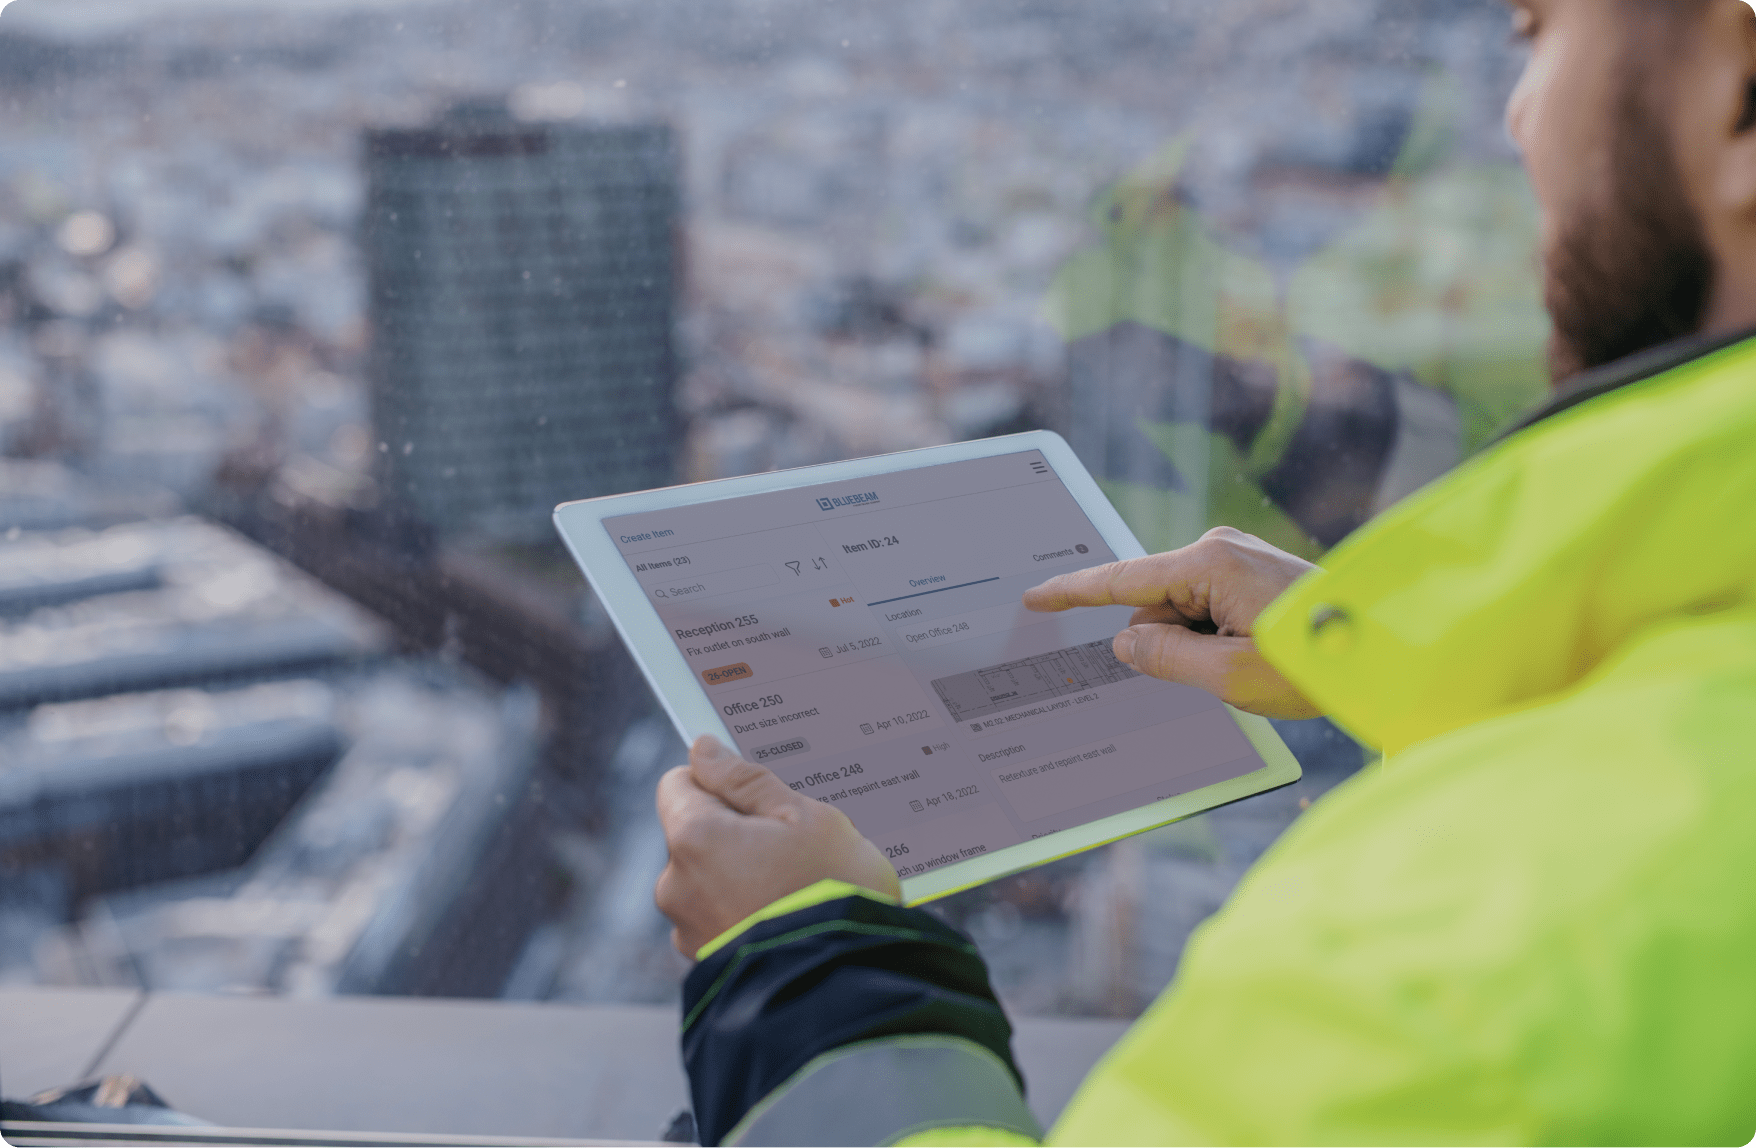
(1731, 50)
(1743, 142)
(1747, 121)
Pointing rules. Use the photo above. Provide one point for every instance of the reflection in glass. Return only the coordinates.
(307, 318)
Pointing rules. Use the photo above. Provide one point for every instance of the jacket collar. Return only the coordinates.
(1533, 565)
(1635, 368)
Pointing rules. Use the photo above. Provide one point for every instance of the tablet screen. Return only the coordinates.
(867, 643)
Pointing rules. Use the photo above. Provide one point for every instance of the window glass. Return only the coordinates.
(311, 312)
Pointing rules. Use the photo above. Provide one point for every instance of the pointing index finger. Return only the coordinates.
(1089, 587)
(1158, 580)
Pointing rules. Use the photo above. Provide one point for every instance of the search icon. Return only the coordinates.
(675, 589)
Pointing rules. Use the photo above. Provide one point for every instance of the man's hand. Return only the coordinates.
(740, 840)
(1197, 609)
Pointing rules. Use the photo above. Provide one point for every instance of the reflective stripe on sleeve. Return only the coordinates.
(880, 1091)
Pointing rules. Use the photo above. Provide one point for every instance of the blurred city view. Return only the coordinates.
(311, 311)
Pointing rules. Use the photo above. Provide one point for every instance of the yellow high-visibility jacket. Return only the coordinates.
(1534, 923)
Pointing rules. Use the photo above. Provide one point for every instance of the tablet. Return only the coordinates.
(857, 628)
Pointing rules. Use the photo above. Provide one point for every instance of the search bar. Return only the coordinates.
(690, 586)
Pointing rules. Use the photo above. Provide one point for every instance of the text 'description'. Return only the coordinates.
(727, 674)
(1156, 756)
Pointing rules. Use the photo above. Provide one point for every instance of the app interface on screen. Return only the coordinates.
(866, 642)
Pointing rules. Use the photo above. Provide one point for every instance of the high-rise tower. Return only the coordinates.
(522, 284)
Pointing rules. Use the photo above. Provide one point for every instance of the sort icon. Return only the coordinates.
(794, 567)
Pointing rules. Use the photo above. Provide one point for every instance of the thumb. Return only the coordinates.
(747, 788)
(1178, 654)
(1232, 669)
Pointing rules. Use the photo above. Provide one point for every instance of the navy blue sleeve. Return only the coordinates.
(793, 988)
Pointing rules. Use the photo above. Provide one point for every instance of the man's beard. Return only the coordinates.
(1634, 271)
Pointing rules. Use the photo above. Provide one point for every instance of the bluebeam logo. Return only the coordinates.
(846, 500)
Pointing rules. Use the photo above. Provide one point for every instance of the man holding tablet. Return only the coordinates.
(1535, 923)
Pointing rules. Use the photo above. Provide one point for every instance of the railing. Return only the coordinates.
(30, 1134)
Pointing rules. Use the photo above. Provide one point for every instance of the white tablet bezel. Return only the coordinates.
(693, 714)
